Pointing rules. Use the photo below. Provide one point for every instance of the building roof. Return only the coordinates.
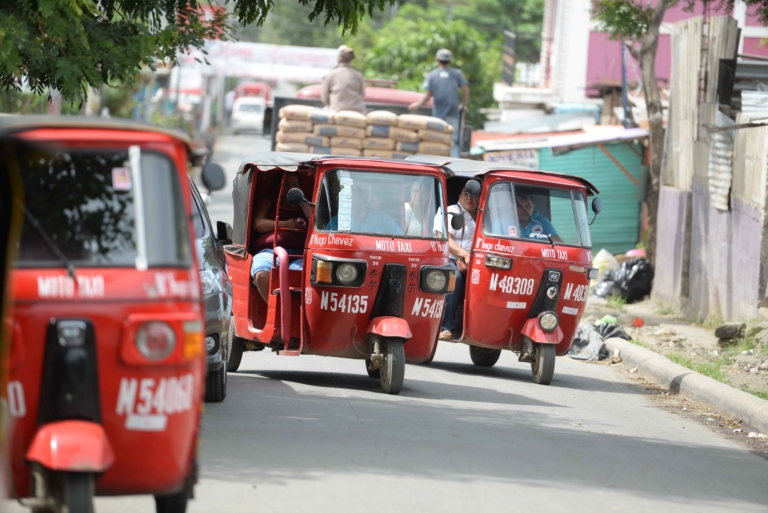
(564, 143)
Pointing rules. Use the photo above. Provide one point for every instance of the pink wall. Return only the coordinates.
(604, 63)
(752, 45)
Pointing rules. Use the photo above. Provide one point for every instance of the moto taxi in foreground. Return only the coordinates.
(529, 265)
(107, 360)
(356, 273)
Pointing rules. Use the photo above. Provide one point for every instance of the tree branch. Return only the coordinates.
(633, 51)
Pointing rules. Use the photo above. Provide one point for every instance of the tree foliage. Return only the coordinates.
(405, 51)
(71, 44)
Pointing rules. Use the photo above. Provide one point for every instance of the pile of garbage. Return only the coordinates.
(589, 342)
(379, 133)
(630, 280)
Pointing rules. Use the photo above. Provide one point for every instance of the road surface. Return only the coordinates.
(316, 434)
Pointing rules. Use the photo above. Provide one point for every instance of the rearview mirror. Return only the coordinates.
(457, 221)
(473, 187)
(214, 178)
(223, 232)
(597, 207)
(295, 197)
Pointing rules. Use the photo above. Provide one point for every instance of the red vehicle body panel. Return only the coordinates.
(532, 330)
(72, 445)
(317, 317)
(259, 89)
(152, 432)
(389, 326)
(374, 95)
(495, 319)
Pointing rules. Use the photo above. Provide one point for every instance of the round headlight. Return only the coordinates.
(552, 292)
(346, 273)
(548, 321)
(435, 280)
(155, 340)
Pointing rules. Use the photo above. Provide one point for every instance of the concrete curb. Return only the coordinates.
(752, 410)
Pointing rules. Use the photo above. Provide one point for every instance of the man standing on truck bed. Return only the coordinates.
(443, 85)
(344, 87)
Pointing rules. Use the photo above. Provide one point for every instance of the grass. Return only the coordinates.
(664, 310)
(711, 369)
(640, 343)
(713, 321)
(761, 395)
(616, 302)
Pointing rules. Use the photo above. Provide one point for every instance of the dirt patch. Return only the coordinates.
(743, 364)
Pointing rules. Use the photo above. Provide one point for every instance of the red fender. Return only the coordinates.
(532, 330)
(72, 445)
(285, 295)
(388, 326)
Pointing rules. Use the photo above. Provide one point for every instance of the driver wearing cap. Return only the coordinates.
(533, 224)
(459, 245)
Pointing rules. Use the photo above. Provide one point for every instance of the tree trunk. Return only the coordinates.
(647, 59)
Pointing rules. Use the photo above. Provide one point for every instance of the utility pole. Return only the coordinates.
(624, 82)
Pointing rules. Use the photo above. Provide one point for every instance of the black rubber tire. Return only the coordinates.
(176, 503)
(216, 386)
(236, 348)
(543, 364)
(392, 371)
(375, 374)
(483, 357)
(76, 493)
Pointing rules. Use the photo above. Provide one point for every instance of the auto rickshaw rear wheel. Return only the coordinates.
(236, 348)
(483, 357)
(392, 369)
(543, 364)
(176, 503)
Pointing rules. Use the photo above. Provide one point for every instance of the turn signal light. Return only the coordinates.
(501, 263)
(451, 282)
(193, 339)
(324, 272)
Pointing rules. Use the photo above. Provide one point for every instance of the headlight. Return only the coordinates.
(210, 282)
(346, 273)
(435, 280)
(548, 321)
(155, 340)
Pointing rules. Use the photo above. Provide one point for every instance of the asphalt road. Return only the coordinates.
(316, 434)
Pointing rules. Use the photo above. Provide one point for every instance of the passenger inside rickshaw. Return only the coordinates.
(533, 224)
(291, 233)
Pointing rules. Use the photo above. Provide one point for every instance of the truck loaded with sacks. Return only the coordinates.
(386, 131)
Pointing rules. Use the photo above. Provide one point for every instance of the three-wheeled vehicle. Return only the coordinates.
(373, 275)
(530, 263)
(107, 361)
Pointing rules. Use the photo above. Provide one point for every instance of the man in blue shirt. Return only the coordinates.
(443, 85)
(533, 225)
(363, 218)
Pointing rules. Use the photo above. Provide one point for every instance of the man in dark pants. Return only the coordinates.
(459, 245)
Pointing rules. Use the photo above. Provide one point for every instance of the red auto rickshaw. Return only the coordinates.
(530, 262)
(373, 274)
(107, 360)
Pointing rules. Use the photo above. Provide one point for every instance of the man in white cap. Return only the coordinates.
(344, 87)
(443, 85)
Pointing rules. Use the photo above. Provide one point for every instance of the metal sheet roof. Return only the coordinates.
(566, 143)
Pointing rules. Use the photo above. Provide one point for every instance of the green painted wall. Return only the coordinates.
(617, 227)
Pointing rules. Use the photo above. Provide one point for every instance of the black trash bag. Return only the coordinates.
(634, 279)
(611, 331)
(606, 288)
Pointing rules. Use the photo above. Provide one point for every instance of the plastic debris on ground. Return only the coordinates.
(632, 281)
(588, 344)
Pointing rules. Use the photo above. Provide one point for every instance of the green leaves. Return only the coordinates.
(623, 20)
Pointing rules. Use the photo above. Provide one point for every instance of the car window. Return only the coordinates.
(250, 107)
(198, 219)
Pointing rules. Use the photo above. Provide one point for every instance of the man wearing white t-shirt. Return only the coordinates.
(459, 245)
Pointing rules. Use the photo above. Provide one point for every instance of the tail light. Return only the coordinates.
(193, 339)
(155, 340)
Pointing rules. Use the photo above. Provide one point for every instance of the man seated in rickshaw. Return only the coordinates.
(365, 219)
(291, 218)
(533, 224)
(416, 208)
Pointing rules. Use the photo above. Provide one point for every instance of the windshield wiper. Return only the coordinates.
(551, 241)
(52, 245)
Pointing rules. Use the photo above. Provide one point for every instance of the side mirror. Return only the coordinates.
(473, 187)
(295, 197)
(266, 124)
(457, 221)
(214, 178)
(223, 232)
(597, 207)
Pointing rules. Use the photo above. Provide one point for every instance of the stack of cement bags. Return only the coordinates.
(380, 133)
(297, 130)
(391, 136)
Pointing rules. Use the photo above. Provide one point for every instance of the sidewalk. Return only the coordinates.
(687, 359)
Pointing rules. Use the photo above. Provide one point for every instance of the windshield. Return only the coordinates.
(536, 214)
(250, 107)
(83, 201)
(393, 204)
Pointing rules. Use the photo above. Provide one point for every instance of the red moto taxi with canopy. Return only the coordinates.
(370, 275)
(530, 262)
(107, 363)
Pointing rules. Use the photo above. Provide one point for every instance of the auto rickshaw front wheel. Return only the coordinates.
(372, 373)
(543, 364)
(483, 357)
(392, 369)
(70, 492)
